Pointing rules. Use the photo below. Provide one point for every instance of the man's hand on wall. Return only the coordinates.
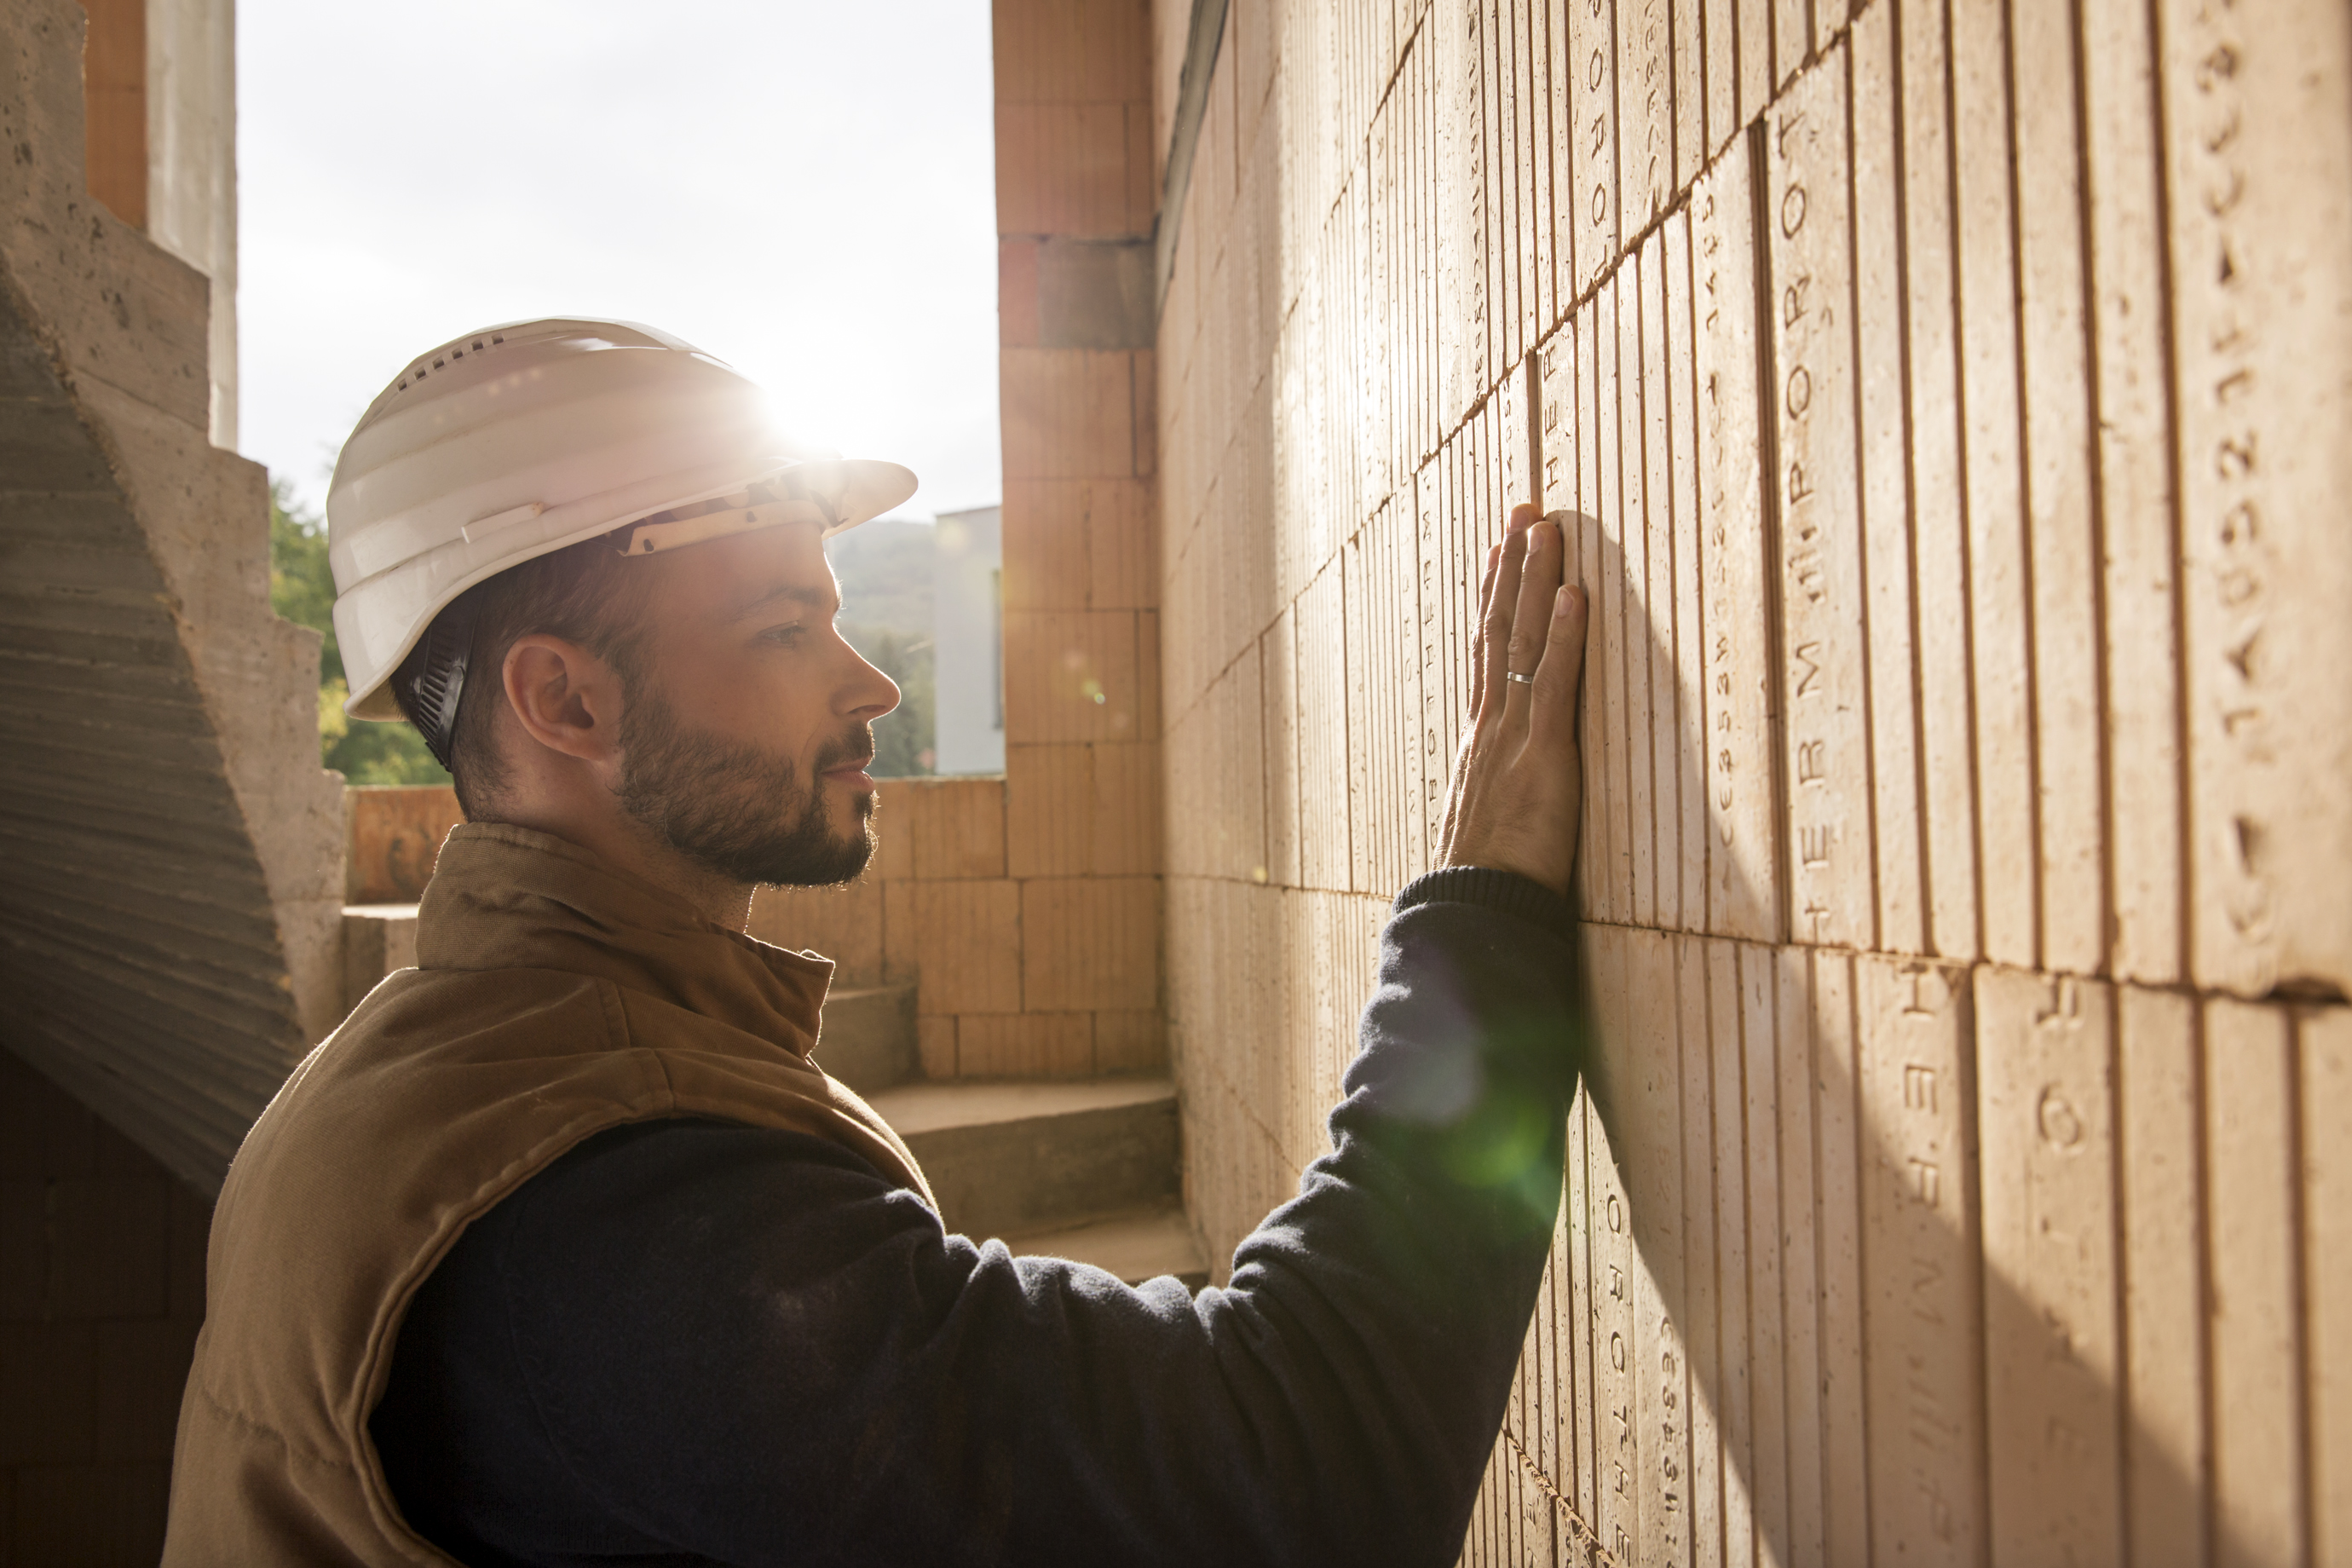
(1517, 783)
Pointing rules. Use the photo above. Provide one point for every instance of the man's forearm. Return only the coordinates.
(1430, 1221)
(1338, 1400)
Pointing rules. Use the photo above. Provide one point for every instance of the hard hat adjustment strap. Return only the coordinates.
(718, 517)
(440, 679)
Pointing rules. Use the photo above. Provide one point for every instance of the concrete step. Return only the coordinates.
(867, 1037)
(1020, 1159)
(1136, 1246)
(377, 939)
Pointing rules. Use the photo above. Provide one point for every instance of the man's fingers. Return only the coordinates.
(1563, 665)
(1502, 604)
(1539, 576)
(1485, 604)
(1495, 633)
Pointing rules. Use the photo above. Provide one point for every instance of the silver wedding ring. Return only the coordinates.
(1522, 679)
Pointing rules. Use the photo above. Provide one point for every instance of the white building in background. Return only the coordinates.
(968, 642)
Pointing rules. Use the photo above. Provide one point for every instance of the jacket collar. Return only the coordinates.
(509, 898)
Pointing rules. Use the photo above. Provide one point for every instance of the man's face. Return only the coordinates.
(746, 732)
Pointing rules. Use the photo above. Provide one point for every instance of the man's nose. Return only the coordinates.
(868, 693)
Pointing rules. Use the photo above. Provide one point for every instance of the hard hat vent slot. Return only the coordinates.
(419, 371)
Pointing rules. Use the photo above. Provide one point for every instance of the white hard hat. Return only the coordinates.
(517, 440)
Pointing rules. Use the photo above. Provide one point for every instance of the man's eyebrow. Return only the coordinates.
(822, 600)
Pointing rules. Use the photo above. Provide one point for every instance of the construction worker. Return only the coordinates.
(560, 1249)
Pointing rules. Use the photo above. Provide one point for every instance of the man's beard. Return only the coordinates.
(733, 809)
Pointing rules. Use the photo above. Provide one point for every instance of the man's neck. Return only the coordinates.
(626, 844)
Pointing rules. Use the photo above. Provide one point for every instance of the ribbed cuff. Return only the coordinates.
(1506, 892)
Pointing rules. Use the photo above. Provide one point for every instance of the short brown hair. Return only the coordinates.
(584, 592)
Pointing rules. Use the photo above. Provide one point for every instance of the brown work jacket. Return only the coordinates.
(553, 997)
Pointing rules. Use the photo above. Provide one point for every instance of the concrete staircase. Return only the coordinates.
(1086, 1169)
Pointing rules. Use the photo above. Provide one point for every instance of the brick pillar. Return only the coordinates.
(1074, 203)
(114, 99)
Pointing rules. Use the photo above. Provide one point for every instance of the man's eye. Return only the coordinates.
(786, 635)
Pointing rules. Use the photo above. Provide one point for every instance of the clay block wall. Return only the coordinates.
(392, 836)
(102, 1291)
(1014, 976)
(1947, 403)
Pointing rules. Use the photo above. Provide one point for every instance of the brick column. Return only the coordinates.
(1075, 195)
(114, 99)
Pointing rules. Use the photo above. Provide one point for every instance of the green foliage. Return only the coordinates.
(302, 589)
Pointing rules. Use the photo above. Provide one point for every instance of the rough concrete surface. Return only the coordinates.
(189, 1032)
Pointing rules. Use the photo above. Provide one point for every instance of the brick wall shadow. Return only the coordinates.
(1885, 1258)
(102, 1293)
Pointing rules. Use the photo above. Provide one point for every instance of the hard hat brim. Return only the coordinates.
(858, 491)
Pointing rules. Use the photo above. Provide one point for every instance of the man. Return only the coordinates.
(561, 1250)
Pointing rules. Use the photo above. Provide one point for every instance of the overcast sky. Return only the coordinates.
(804, 190)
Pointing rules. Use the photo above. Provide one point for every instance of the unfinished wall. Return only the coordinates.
(1014, 976)
(158, 83)
(1948, 404)
(102, 1291)
(1027, 909)
(192, 170)
(169, 920)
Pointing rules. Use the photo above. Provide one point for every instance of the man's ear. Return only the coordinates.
(564, 697)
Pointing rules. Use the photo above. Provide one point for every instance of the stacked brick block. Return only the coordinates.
(1947, 404)
(1014, 976)
(102, 1291)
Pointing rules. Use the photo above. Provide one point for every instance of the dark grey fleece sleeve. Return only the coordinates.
(693, 1341)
